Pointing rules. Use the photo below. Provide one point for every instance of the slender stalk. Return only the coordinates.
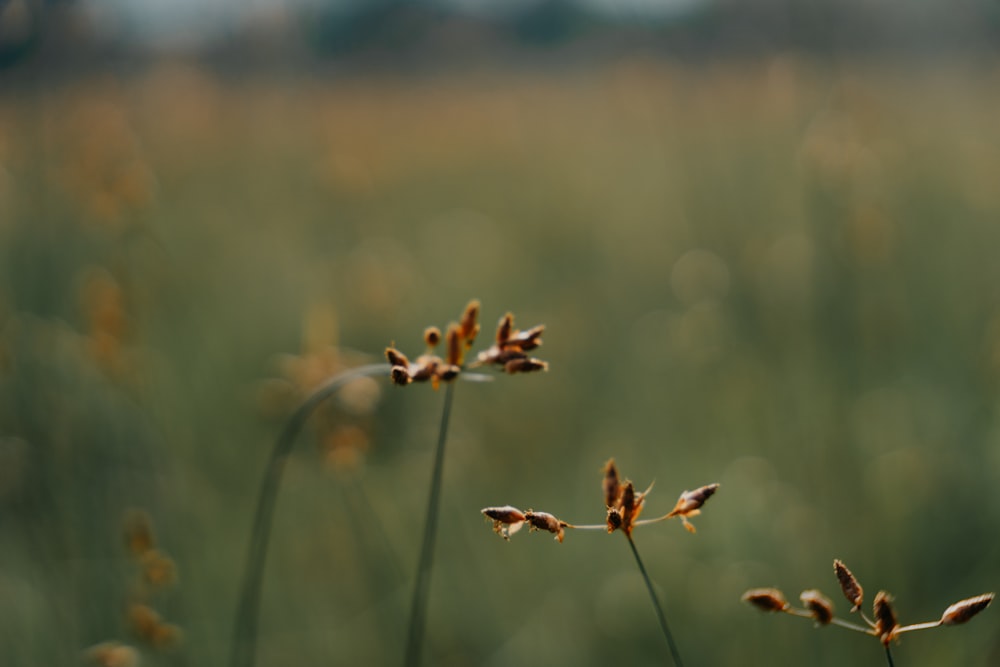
(418, 608)
(888, 656)
(656, 605)
(247, 613)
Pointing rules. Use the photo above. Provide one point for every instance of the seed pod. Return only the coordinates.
(504, 328)
(885, 617)
(525, 366)
(545, 521)
(962, 611)
(469, 325)
(396, 358)
(400, 376)
(453, 339)
(766, 599)
(139, 537)
(527, 340)
(614, 519)
(432, 336)
(818, 605)
(849, 585)
(507, 519)
(631, 506)
(611, 485)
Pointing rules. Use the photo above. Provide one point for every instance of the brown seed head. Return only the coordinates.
(818, 605)
(527, 340)
(504, 329)
(690, 502)
(432, 336)
(113, 654)
(614, 519)
(396, 358)
(143, 621)
(469, 324)
(963, 610)
(766, 599)
(139, 537)
(525, 365)
(507, 520)
(158, 569)
(447, 373)
(545, 521)
(611, 484)
(885, 617)
(849, 585)
(400, 375)
(456, 350)
(631, 506)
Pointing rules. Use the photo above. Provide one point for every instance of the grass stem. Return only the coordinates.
(656, 605)
(888, 656)
(418, 608)
(244, 646)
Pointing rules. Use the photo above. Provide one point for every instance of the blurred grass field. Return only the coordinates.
(779, 275)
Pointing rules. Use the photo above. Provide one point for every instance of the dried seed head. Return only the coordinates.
(885, 617)
(504, 328)
(766, 599)
(690, 502)
(432, 336)
(453, 338)
(545, 521)
(614, 519)
(818, 605)
(525, 365)
(396, 358)
(631, 506)
(849, 585)
(507, 520)
(611, 484)
(527, 340)
(962, 611)
(447, 373)
(400, 375)
(113, 654)
(143, 621)
(158, 569)
(139, 537)
(469, 325)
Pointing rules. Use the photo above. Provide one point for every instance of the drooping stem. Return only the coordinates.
(661, 617)
(247, 613)
(888, 656)
(418, 608)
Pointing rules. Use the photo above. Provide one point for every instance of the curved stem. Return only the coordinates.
(418, 608)
(656, 605)
(888, 656)
(247, 613)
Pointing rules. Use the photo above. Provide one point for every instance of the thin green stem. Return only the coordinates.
(888, 656)
(418, 608)
(656, 605)
(244, 646)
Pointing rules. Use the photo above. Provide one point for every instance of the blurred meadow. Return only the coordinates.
(775, 272)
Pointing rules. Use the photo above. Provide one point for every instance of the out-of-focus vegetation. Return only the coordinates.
(777, 273)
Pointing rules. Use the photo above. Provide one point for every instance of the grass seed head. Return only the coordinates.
(469, 324)
(507, 519)
(432, 336)
(766, 599)
(611, 485)
(849, 585)
(885, 617)
(818, 605)
(139, 536)
(546, 521)
(963, 610)
(525, 365)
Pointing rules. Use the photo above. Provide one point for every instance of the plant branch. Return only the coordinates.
(418, 608)
(656, 605)
(247, 613)
(888, 656)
